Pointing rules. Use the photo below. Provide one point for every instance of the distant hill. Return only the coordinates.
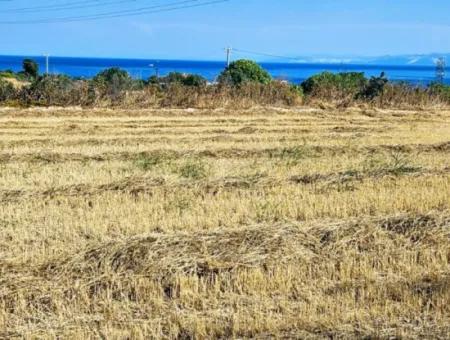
(406, 60)
(418, 59)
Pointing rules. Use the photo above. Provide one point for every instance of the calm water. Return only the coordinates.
(294, 72)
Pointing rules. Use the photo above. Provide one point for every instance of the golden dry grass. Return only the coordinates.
(263, 223)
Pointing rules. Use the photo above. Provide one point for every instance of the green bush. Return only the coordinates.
(297, 89)
(184, 79)
(113, 83)
(334, 85)
(440, 90)
(193, 80)
(244, 71)
(112, 75)
(30, 68)
(374, 88)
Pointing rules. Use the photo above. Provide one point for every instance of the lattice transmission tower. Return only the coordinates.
(440, 70)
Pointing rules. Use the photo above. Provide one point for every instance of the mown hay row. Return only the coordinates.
(338, 232)
(141, 185)
(357, 263)
(207, 253)
(309, 150)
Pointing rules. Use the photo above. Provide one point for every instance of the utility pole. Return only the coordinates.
(228, 50)
(440, 70)
(47, 63)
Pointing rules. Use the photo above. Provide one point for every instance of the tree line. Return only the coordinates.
(242, 83)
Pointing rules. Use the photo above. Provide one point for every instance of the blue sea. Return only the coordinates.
(141, 69)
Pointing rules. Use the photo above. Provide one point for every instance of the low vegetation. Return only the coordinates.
(242, 72)
(241, 85)
(7, 90)
(335, 85)
(205, 224)
(180, 79)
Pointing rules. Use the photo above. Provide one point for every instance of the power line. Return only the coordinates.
(117, 14)
(49, 6)
(61, 7)
(265, 54)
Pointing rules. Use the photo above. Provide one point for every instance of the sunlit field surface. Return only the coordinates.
(194, 224)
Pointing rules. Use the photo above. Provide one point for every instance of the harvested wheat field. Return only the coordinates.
(263, 223)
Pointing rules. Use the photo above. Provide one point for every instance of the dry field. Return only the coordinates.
(262, 223)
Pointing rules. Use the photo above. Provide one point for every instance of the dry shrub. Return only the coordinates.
(340, 89)
(56, 91)
(63, 91)
(248, 95)
(245, 96)
(406, 96)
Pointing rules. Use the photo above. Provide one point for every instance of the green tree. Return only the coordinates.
(113, 75)
(244, 71)
(30, 68)
(194, 80)
(113, 82)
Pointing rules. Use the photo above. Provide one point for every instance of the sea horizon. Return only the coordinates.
(139, 68)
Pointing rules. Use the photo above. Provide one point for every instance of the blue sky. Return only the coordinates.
(281, 27)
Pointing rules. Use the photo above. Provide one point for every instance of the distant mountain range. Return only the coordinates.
(401, 60)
